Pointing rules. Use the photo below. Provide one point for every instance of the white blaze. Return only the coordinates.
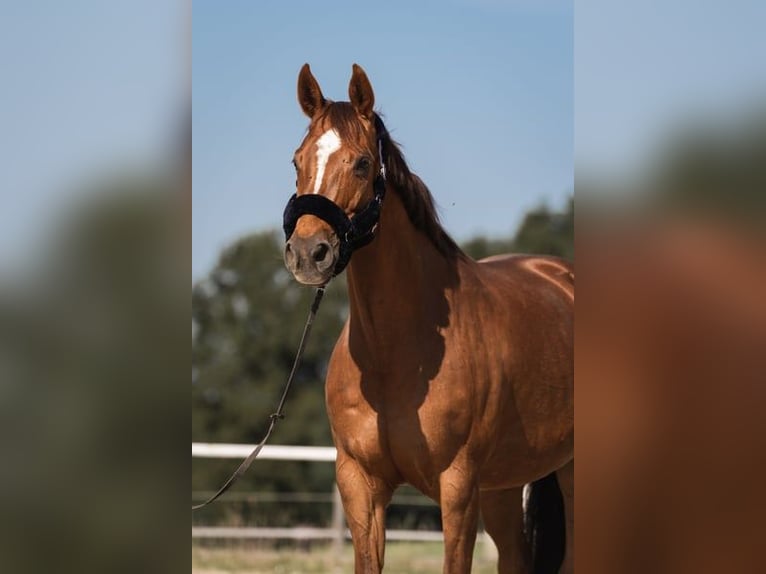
(327, 145)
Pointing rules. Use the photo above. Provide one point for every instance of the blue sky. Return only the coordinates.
(480, 95)
(483, 94)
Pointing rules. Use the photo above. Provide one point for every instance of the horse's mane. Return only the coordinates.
(417, 199)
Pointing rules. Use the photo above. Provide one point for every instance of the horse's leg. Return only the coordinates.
(459, 500)
(503, 516)
(364, 501)
(565, 476)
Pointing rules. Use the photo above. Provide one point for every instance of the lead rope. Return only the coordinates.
(273, 418)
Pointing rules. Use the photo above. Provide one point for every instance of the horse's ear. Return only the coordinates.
(309, 93)
(360, 92)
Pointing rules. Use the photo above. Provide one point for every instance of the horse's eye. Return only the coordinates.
(361, 166)
(295, 165)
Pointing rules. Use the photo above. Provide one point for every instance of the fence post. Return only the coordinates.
(338, 522)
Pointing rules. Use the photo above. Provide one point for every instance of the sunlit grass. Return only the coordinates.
(401, 558)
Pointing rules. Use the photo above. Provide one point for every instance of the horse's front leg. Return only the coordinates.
(459, 500)
(364, 501)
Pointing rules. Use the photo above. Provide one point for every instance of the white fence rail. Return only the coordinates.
(337, 532)
(273, 452)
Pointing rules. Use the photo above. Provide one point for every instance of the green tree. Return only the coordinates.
(548, 232)
(542, 231)
(247, 318)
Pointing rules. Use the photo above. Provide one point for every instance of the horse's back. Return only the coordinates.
(555, 270)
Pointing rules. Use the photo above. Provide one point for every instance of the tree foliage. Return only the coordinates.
(247, 318)
(542, 231)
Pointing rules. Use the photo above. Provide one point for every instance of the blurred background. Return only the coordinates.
(94, 267)
(670, 148)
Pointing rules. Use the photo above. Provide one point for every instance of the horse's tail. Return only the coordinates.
(544, 525)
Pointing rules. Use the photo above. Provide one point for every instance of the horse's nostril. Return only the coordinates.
(289, 254)
(320, 252)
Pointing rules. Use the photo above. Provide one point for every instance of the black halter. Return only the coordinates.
(354, 232)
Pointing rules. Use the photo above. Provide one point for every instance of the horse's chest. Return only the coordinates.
(408, 427)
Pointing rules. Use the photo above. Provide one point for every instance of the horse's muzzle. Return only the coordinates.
(311, 259)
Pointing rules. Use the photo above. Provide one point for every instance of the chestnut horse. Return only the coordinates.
(452, 375)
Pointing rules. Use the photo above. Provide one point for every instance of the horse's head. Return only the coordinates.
(339, 180)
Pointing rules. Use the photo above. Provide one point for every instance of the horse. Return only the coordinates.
(452, 375)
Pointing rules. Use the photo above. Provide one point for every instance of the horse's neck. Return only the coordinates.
(398, 283)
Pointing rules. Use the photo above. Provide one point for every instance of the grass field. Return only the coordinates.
(401, 558)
